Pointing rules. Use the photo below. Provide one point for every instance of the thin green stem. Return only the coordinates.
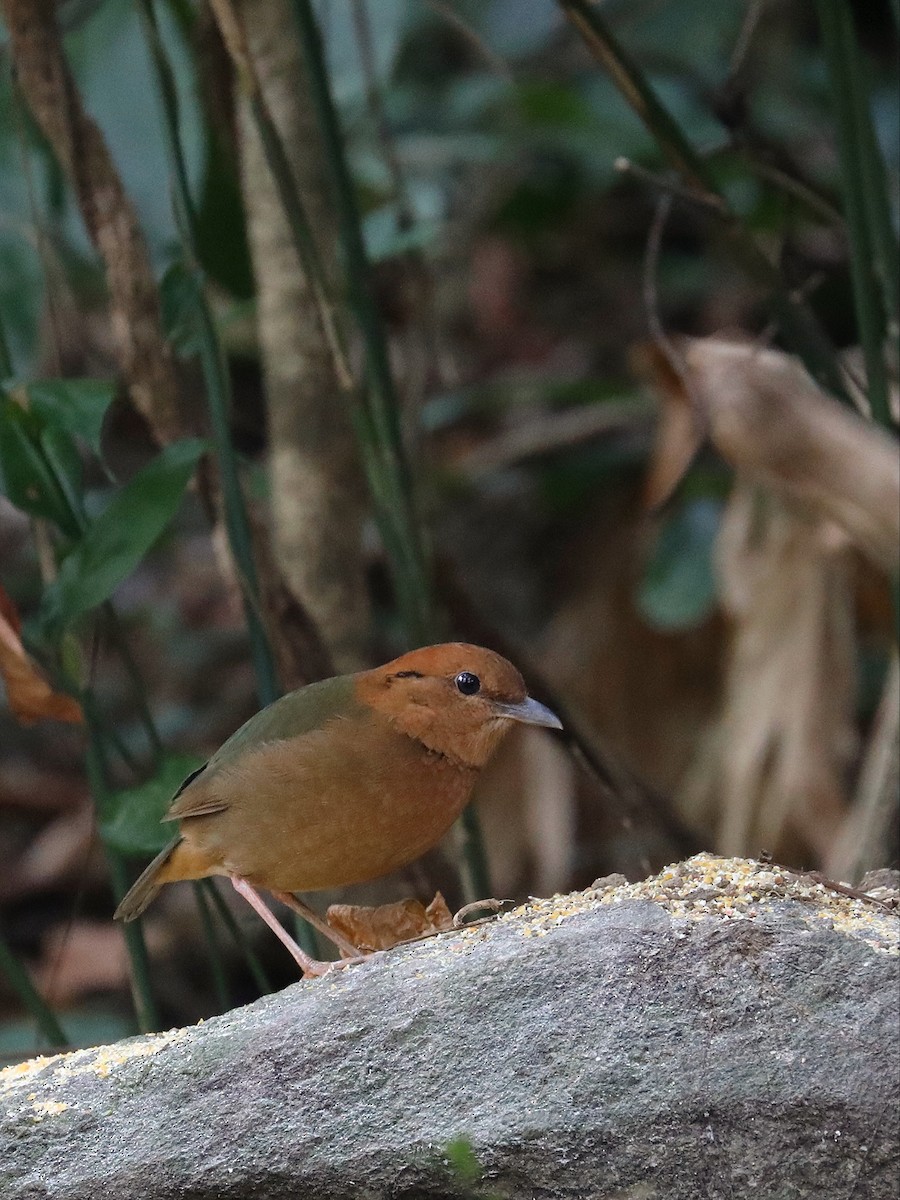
(857, 171)
(6, 364)
(473, 857)
(257, 970)
(120, 641)
(145, 1008)
(799, 325)
(215, 371)
(139, 963)
(20, 981)
(217, 964)
(218, 390)
(379, 424)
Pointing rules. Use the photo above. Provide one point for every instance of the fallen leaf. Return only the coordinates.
(388, 924)
(769, 419)
(30, 696)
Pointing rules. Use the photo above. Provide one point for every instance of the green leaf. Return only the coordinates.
(119, 538)
(181, 301)
(130, 822)
(76, 406)
(679, 590)
(26, 475)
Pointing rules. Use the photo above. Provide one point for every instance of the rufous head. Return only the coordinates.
(457, 700)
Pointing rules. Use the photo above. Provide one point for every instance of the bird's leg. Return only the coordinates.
(310, 967)
(319, 923)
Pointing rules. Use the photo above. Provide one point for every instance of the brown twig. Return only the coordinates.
(555, 431)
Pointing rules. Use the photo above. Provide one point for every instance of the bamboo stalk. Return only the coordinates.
(139, 964)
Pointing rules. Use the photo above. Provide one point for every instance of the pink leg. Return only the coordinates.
(309, 966)
(319, 923)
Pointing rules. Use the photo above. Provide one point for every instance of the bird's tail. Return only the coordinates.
(145, 888)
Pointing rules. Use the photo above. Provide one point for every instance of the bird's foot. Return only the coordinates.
(316, 970)
(311, 967)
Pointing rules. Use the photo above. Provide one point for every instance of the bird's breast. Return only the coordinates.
(343, 804)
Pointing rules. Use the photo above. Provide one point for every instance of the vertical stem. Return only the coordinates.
(839, 40)
(29, 995)
(381, 420)
(220, 981)
(120, 641)
(218, 385)
(139, 964)
(240, 938)
(6, 365)
(215, 372)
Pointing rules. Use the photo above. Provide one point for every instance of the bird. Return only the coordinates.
(341, 782)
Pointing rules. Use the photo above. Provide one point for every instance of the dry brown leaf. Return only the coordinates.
(388, 924)
(774, 770)
(769, 419)
(31, 698)
(680, 430)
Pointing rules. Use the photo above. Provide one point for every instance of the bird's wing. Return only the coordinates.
(291, 716)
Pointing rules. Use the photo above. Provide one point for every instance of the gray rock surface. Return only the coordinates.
(718, 1031)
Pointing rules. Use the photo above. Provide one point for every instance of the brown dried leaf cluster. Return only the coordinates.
(30, 696)
(814, 481)
(769, 419)
(389, 924)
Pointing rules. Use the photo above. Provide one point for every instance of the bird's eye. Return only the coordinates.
(468, 683)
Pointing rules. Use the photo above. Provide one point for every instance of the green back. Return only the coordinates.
(294, 714)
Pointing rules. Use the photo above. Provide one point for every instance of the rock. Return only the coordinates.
(722, 1030)
(883, 880)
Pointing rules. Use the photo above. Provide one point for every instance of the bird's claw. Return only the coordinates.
(318, 970)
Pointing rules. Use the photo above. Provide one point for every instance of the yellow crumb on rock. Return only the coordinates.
(47, 1071)
(736, 889)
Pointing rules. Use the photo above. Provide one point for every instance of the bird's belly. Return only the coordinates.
(302, 822)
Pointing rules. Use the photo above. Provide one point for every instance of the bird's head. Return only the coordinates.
(457, 700)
